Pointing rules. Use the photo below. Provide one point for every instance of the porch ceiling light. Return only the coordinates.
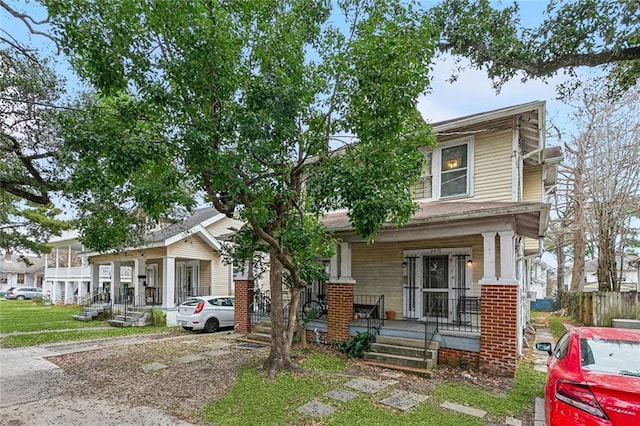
(454, 163)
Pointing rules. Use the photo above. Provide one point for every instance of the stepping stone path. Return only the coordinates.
(366, 385)
(403, 400)
(341, 395)
(189, 358)
(153, 366)
(464, 409)
(316, 409)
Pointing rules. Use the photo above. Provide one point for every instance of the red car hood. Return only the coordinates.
(618, 395)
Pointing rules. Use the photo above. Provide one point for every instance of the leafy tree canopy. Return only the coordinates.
(29, 169)
(589, 33)
(244, 101)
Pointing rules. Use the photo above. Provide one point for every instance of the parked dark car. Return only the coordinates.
(594, 377)
(22, 293)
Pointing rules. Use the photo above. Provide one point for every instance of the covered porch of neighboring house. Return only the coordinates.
(155, 281)
(456, 274)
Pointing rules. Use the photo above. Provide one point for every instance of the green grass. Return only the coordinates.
(46, 322)
(556, 325)
(528, 384)
(25, 315)
(254, 399)
(20, 340)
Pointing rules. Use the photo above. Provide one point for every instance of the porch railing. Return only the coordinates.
(183, 294)
(260, 307)
(98, 299)
(461, 314)
(371, 308)
(125, 303)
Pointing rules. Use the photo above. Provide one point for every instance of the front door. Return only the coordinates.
(435, 281)
(435, 287)
(187, 280)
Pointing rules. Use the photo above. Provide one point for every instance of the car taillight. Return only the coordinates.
(199, 308)
(580, 396)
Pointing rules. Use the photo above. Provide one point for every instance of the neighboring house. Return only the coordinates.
(462, 262)
(540, 273)
(629, 276)
(16, 272)
(179, 260)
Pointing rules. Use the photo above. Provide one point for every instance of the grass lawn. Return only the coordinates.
(46, 322)
(254, 399)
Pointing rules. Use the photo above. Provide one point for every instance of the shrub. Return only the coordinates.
(356, 345)
(158, 318)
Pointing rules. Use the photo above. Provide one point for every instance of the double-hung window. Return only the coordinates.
(447, 171)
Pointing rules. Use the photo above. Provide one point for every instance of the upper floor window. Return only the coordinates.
(447, 171)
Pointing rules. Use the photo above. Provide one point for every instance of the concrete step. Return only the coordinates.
(261, 328)
(399, 360)
(419, 371)
(260, 337)
(120, 323)
(82, 317)
(403, 350)
(402, 341)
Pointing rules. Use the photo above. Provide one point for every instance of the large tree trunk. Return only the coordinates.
(579, 223)
(560, 255)
(281, 333)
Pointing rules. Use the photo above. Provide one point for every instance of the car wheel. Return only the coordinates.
(20, 297)
(211, 326)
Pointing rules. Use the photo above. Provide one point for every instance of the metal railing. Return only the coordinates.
(183, 294)
(460, 314)
(430, 329)
(260, 307)
(371, 308)
(99, 299)
(126, 303)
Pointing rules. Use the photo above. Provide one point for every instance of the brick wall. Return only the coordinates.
(499, 329)
(456, 357)
(243, 300)
(340, 299)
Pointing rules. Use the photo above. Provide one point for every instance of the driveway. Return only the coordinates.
(36, 391)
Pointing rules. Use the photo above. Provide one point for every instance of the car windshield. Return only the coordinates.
(610, 356)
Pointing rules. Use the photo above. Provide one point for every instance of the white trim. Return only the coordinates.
(436, 169)
(488, 116)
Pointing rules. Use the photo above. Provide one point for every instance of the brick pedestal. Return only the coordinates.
(243, 300)
(340, 299)
(499, 329)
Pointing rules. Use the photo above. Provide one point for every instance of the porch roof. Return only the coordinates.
(530, 219)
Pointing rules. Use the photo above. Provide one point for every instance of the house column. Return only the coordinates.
(340, 289)
(138, 275)
(68, 292)
(168, 282)
(81, 292)
(242, 307)
(499, 308)
(94, 277)
(115, 281)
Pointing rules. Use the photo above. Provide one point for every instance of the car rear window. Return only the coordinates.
(191, 302)
(610, 356)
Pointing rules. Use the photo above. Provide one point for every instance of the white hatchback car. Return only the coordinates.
(206, 313)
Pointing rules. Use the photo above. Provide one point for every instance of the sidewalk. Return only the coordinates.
(543, 334)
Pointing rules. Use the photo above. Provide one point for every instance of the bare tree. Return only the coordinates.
(610, 144)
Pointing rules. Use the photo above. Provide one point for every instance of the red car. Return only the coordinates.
(594, 378)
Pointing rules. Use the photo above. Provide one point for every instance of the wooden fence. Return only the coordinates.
(599, 308)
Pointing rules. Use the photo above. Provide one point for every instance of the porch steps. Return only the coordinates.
(260, 332)
(403, 353)
(132, 319)
(89, 313)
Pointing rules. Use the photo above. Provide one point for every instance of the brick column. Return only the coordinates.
(340, 299)
(499, 329)
(243, 301)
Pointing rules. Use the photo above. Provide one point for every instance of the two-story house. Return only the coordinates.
(457, 272)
